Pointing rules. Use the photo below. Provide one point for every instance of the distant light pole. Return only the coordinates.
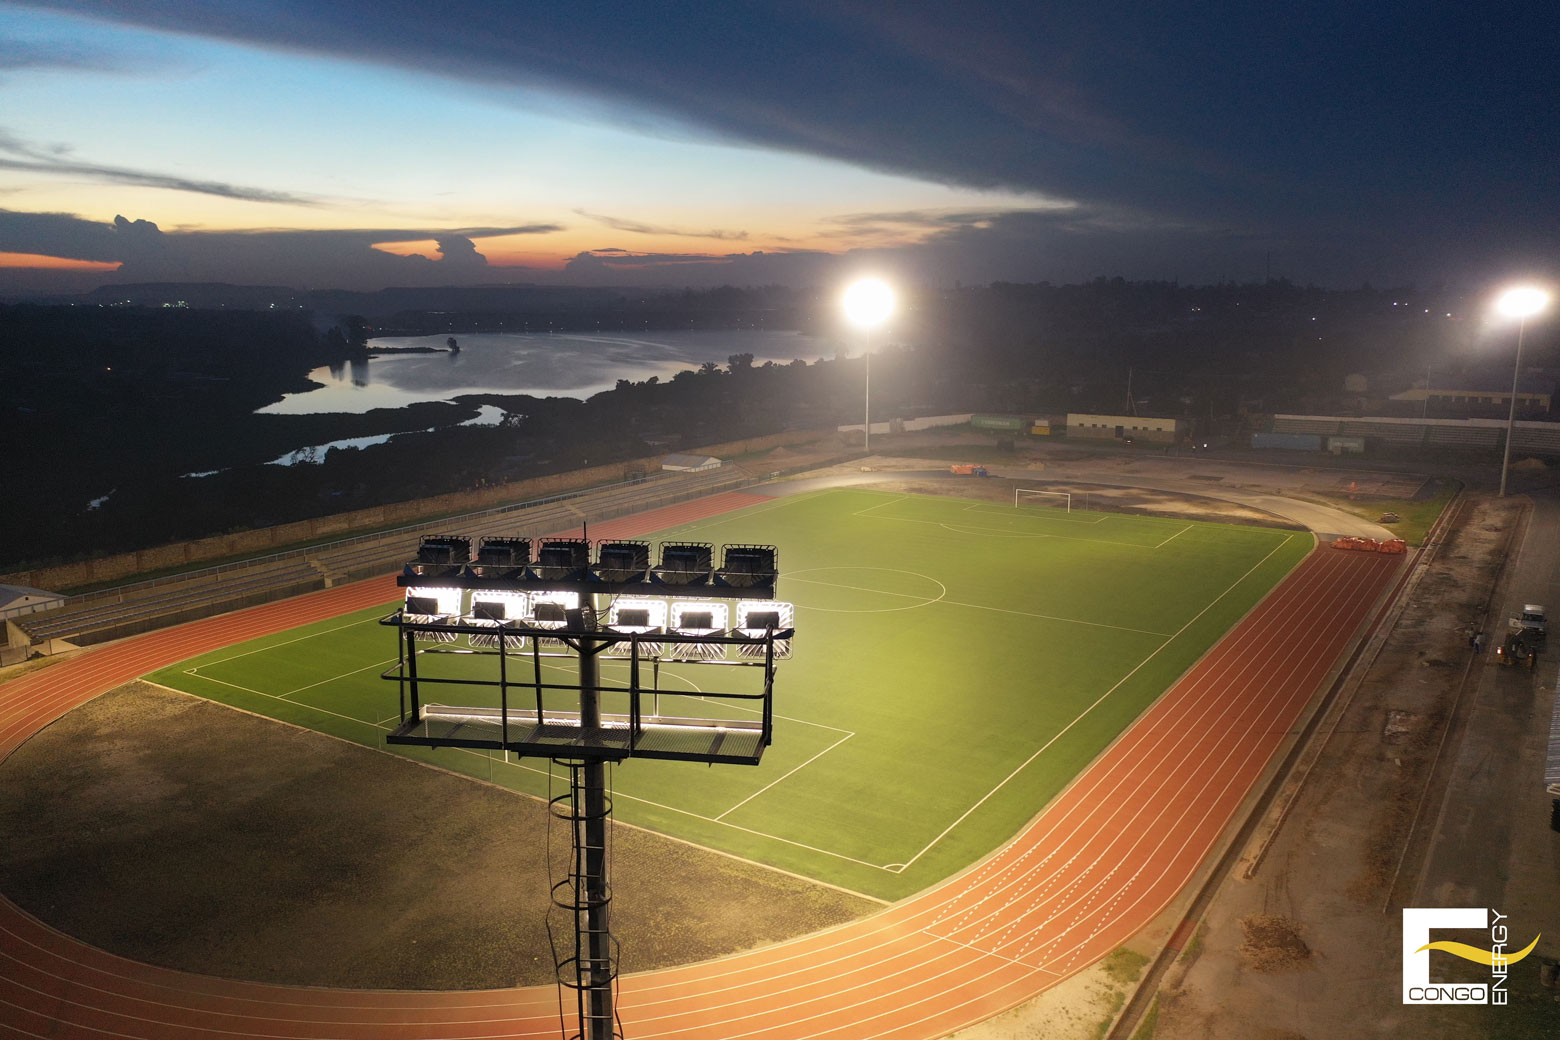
(1521, 303)
(867, 304)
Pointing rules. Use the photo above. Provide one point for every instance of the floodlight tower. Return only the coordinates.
(564, 604)
(1521, 303)
(868, 303)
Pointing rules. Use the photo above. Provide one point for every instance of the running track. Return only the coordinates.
(1103, 860)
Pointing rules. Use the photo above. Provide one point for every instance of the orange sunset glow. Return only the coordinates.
(55, 263)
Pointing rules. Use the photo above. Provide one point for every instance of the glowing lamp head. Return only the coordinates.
(1522, 302)
(868, 303)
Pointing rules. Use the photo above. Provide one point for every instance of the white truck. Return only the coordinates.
(1533, 621)
(1525, 636)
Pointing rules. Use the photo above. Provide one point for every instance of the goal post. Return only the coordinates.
(1033, 497)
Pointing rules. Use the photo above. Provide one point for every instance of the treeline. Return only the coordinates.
(103, 409)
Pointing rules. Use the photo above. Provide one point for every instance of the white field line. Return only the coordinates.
(880, 505)
(979, 606)
(796, 768)
(299, 704)
(1007, 511)
(1173, 537)
(295, 639)
(1079, 717)
(343, 675)
(1070, 621)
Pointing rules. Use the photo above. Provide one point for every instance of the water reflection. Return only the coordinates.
(540, 364)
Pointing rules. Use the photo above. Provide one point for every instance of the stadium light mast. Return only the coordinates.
(471, 623)
(867, 303)
(1521, 303)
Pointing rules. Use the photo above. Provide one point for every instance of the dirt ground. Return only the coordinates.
(1303, 939)
(184, 833)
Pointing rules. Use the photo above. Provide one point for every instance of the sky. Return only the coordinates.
(362, 145)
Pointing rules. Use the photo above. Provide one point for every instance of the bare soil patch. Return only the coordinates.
(1273, 944)
(184, 833)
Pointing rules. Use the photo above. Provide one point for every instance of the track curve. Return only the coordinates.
(1104, 858)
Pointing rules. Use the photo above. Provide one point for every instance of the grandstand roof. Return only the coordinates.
(24, 599)
(683, 461)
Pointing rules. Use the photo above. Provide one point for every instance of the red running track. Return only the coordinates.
(1098, 864)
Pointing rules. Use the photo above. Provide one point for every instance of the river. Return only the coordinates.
(538, 363)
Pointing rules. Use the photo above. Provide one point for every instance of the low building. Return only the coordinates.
(1475, 400)
(682, 462)
(1126, 428)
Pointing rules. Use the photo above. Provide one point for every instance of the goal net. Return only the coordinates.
(1049, 499)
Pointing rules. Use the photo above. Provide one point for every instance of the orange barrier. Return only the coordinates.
(1389, 545)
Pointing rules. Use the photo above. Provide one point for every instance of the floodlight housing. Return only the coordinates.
(440, 556)
(756, 618)
(698, 617)
(685, 564)
(429, 605)
(550, 609)
(562, 559)
(502, 558)
(621, 561)
(638, 617)
(493, 608)
(745, 566)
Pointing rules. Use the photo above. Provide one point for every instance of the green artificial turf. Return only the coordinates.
(956, 664)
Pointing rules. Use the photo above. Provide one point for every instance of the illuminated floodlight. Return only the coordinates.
(756, 618)
(698, 617)
(686, 563)
(562, 559)
(502, 558)
(551, 610)
(640, 617)
(427, 605)
(744, 566)
(868, 302)
(1522, 302)
(489, 609)
(622, 561)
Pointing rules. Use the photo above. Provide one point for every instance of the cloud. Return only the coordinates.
(1303, 120)
(16, 154)
(635, 227)
(301, 259)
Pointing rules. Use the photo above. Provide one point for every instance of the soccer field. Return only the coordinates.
(956, 664)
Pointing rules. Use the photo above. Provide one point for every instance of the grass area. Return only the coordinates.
(1194, 946)
(1415, 518)
(957, 663)
(1149, 1023)
(1124, 965)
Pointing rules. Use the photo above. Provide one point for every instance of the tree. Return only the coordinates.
(740, 362)
(709, 368)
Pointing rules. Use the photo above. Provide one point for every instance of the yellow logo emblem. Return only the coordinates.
(1473, 953)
